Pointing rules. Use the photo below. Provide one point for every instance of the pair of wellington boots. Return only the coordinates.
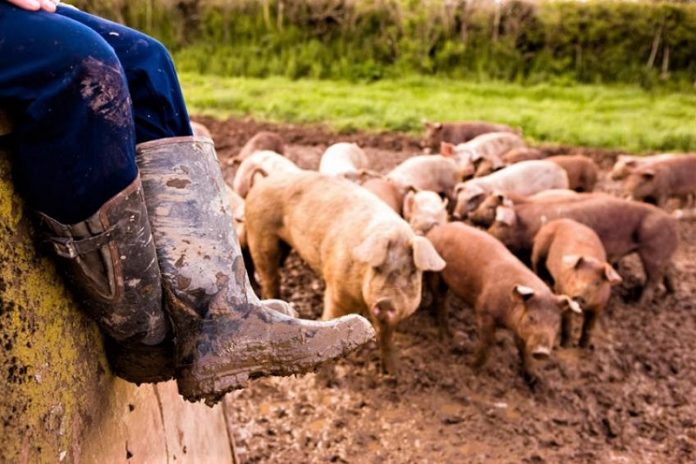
(160, 269)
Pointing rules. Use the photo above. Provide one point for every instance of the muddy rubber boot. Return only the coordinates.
(110, 261)
(224, 335)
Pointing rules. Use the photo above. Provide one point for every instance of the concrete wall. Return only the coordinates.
(58, 399)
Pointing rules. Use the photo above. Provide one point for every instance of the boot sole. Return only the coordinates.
(211, 389)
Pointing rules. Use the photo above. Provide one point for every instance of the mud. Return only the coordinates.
(628, 399)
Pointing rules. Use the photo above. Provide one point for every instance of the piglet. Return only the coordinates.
(503, 292)
(572, 258)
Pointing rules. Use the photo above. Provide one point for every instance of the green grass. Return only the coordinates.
(622, 117)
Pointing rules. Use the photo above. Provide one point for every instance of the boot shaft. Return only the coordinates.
(193, 225)
(110, 261)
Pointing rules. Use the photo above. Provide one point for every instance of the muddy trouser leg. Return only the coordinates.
(74, 162)
(224, 334)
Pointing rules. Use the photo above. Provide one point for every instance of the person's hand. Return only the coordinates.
(36, 5)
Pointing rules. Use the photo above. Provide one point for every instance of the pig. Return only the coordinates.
(428, 172)
(523, 178)
(484, 214)
(423, 210)
(260, 164)
(458, 132)
(571, 256)
(626, 164)
(200, 130)
(368, 256)
(344, 159)
(387, 191)
(513, 156)
(262, 141)
(623, 226)
(518, 154)
(503, 292)
(660, 180)
(484, 148)
(582, 171)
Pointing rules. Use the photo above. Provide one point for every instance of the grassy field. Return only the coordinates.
(622, 117)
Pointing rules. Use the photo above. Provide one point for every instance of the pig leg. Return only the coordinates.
(331, 309)
(587, 327)
(443, 316)
(266, 254)
(486, 334)
(654, 274)
(386, 348)
(540, 252)
(567, 327)
(668, 282)
(437, 287)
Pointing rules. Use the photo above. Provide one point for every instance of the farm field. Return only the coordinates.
(629, 399)
(621, 117)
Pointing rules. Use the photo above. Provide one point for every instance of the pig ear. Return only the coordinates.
(256, 174)
(522, 292)
(425, 256)
(446, 149)
(572, 261)
(505, 215)
(567, 303)
(445, 202)
(611, 275)
(407, 208)
(579, 262)
(648, 174)
(373, 250)
(502, 199)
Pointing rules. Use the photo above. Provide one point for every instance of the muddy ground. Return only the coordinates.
(629, 399)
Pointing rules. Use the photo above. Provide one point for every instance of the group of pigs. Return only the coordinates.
(462, 222)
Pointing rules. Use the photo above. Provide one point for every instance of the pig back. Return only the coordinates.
(618, 223)
(429, 172)
(324, 218)
(678, 174)
(386, 191)
(526, 178)
(477, 263)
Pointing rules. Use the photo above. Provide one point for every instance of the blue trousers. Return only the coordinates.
(83, 92)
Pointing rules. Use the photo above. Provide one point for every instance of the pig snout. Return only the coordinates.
(384, 311)
(541, 352)
(539, 346)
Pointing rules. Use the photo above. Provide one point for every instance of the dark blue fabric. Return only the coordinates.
(83, 91)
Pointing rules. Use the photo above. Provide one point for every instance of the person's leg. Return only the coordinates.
(159, 110)
(74, 162)
(74, 140)
(224, 334)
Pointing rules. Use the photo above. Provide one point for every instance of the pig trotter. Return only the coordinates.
(224, 335)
